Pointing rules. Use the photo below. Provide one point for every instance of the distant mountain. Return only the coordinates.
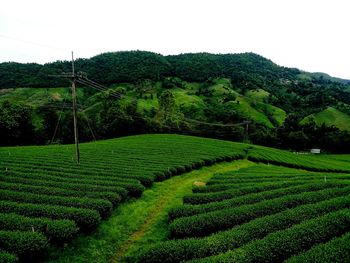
(204, 94)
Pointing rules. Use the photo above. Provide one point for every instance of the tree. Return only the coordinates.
(168, 115)
(16, 124)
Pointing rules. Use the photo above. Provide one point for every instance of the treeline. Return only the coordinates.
(115, 119)
(298, 93)
(246, 71)
(132, 66)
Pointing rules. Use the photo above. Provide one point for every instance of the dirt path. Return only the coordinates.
(140, 232)
(170, 193)
(138, 222)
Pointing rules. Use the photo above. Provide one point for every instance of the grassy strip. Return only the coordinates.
(280, 245)
(204, 224)
(336, 250)
(189, 210)
(136, 223)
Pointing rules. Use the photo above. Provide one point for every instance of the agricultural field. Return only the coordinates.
(262, 213)
(329, 117)
(46, 200)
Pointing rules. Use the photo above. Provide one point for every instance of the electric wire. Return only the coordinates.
(59, 119)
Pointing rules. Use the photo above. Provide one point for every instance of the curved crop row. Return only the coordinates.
(69, 186)
(189, 210)
(204, 224)
(114, 198)
(336, 250)
(57, 230)
(186, 249)
(104, 207)
(203, 198)
(85, 218)
(282, 244)
(134, 188)
(229, 185)
(22, 243)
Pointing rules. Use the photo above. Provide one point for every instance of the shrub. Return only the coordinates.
(204, 224)
(186, 249)
(57, 230)
(282, 244)
(23, 243)
(189, 210)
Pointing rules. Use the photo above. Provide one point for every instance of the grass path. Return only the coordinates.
(137, 222)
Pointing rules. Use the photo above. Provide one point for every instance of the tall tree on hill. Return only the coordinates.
(169, 115)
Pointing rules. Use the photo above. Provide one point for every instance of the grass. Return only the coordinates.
(259, 94)
(329, 117)
(183, 99)
(139, 221)
(46, 182)
(245, 109)
(147, 105)
(265, 223)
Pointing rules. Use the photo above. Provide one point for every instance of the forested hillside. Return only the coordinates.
(200, 94)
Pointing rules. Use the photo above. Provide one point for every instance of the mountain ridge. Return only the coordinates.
(161, 92)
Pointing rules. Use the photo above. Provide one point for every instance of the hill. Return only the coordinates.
(46, 199)
(330, 117)
(204, 94)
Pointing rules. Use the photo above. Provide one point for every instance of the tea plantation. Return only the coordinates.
(260, 213)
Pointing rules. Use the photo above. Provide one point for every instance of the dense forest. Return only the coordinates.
(200, 94)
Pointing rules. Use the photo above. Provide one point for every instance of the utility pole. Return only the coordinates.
(246, 123)
(75, 117)
(80, 78)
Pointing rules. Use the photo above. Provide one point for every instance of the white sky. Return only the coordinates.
(312, 35)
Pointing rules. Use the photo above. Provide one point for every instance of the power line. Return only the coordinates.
(88, 123)
(59, 119)
(218, 124)
(31, 42)
(81, 78)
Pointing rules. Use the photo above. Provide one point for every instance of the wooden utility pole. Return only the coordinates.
(80, 78)
(75, 117)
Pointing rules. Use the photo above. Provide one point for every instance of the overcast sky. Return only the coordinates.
(312, 35)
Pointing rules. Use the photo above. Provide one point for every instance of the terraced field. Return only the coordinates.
(45, 199)
(262, 213)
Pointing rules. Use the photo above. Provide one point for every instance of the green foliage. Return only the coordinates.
(40, 187)
(336, 250)
(220, 89)
(189, 210)
(191, 248)
(282, 244)
(203, 198)
(56, 230)
(102, 206)
(85, 218)
(22, 243)
(231, 230)
(204, 224)
(15, 123)
(7, 257)
(330, 117)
